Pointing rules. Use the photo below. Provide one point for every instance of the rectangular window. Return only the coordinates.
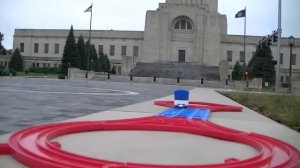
(36, 47)
(282, 79)
(281, 58)
(37, 65)
(100, 49)
(242, 56)
(111, 50)
(21, 47)
(44, 65)
(229, 55)
(293, 59)
(123, 52)
(55, 65)
(46, 48)
(56, 49)
(48, 65)
(33, 65)
(135, 51)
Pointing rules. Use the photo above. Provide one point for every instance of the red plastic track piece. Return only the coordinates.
(33, 146)
(4, 149)
(213, 107)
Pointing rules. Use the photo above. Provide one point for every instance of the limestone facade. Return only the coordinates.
(178, 31)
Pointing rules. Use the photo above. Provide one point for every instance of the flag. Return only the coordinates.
(241, 13)
(89, 9)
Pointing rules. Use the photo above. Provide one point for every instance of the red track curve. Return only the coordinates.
(33, 146)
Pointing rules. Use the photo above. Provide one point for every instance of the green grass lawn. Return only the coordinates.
(284, 109)
(33, 74)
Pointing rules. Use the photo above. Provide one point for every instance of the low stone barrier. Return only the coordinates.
(77, 74)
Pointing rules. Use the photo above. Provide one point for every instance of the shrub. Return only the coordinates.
(4, 72)
(2, 67)
(7, 72)
(45, 70)
(13, 72)
(61, 76)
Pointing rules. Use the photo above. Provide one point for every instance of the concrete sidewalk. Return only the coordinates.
(166, 147)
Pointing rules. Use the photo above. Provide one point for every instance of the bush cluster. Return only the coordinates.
(6, 72)
(45, 70)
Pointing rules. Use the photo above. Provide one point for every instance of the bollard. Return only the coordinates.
(130, 77)
(202, 81)
(154, 79)
(226, 82)
(10, 75)
(108, 76)
(247, 84)
(178, 80)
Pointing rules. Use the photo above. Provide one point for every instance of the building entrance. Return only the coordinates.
(181, 56)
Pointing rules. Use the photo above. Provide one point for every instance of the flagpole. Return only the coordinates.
(89, 43)
(279, 31)
(245, 25)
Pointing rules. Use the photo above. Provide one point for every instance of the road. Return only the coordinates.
(27, 102)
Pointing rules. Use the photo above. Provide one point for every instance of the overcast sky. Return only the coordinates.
(262, 15)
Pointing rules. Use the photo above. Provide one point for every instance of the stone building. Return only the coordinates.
(177, 31)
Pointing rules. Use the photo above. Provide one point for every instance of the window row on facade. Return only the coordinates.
(44, 65)
(112, 49)
(230, 53)
(242, 57)
(124, 50)
(293, 59)
(36, 48)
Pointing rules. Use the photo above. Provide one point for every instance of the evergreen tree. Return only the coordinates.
(88, 49)
(82, 52)
(237, 73)
(70, 57)
(269, 66)
(107, 63)
(113, 70)
(95, 66)
(9, 52)
(262, 66)
(2, 49)
(16, 61)
(102, 62)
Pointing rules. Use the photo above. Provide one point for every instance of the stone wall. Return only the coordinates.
(224, 70)
(77, 74)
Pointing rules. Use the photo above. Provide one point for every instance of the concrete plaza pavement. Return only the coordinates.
(27, 102)
(169, 148)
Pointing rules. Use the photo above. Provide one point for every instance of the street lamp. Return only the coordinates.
(291, 44)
